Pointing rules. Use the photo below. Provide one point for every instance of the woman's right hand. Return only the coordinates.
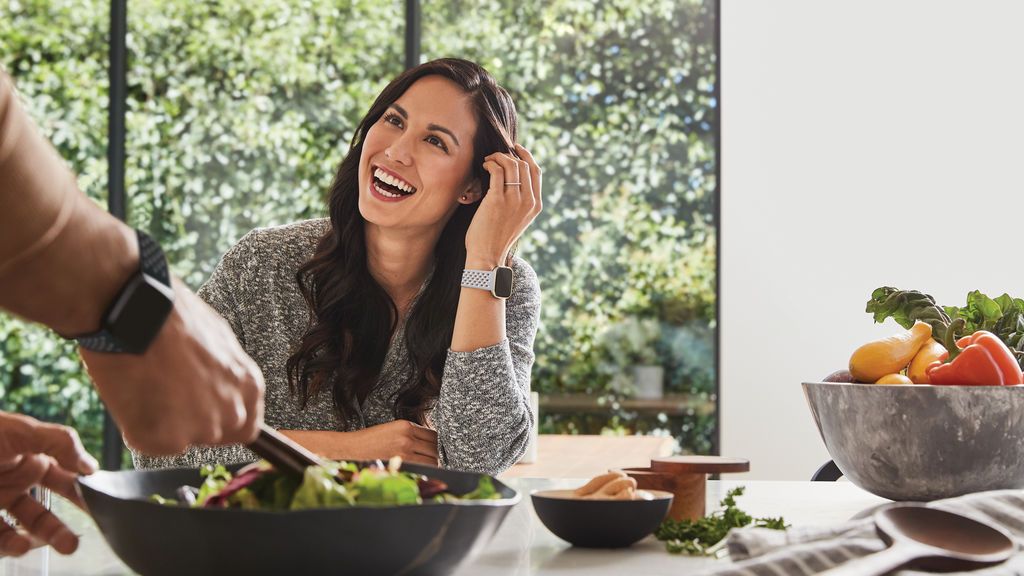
(414, 443)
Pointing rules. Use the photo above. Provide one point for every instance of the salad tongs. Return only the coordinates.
(286, 455)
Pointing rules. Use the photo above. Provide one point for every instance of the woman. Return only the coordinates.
(372, 340)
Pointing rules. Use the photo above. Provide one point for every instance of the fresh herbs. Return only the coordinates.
(699, 537)
(1002, 316)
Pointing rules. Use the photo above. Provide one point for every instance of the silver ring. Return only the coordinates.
(513, 183)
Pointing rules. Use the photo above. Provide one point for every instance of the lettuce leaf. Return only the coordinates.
(484, 491)
(382, 488)
(319, 489)
(214, 480)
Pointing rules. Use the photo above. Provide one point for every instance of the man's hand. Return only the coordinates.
(194, 385)
(36, 454)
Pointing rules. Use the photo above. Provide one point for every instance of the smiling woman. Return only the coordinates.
(382, 330)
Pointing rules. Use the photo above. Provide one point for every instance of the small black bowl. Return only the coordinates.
(600, 523)
(157, 540)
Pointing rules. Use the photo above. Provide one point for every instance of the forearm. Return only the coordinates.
(480, 317)
(62, 258)
(325, 443)
(483, 417)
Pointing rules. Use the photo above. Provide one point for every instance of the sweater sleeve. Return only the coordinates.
(222, 291)
(483, 416)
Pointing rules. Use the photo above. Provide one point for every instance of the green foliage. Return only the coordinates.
(616, 100)
(632, 341)
(699, 537)
(239, 112)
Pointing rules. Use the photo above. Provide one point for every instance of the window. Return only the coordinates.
(617, 100)
(238, 113)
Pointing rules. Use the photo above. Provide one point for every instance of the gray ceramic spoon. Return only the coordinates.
(937, 539)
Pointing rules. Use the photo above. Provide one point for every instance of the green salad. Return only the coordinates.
(259, 486)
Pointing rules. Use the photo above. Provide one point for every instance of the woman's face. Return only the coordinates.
(415, 164)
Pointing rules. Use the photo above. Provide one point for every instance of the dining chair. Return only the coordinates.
(828, 472)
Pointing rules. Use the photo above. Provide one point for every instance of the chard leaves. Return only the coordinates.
(1002, 316)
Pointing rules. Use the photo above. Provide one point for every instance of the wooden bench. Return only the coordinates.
(585, 456)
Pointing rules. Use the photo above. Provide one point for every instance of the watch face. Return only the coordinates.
(139, 314)
(502, 282)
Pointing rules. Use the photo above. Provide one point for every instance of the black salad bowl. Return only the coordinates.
(155, 539)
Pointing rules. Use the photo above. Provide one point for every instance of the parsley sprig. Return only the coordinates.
(699, 537)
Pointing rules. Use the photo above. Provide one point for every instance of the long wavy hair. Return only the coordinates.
(352, 317)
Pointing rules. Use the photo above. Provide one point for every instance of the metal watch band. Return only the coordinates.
(153, 263)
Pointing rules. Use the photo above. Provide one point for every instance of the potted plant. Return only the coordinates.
(631, 346)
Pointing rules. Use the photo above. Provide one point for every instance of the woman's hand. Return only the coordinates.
(506, 210)
(33, 453)
(414, 443)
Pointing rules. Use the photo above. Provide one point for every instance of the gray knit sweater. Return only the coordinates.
(483, 415)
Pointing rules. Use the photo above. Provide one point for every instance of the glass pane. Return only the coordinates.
(617, 104)
(57, 53)
(239, 112)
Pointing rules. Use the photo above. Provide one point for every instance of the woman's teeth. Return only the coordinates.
(401, 188)
(385, 193)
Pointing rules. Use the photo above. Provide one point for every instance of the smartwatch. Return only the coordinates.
(133, 319)
(497, 281)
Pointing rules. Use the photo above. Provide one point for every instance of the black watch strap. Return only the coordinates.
(134, 318)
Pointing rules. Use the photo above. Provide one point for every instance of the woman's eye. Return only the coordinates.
(393, 119)
(437, 142)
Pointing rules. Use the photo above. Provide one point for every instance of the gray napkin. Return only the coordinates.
(802, 551)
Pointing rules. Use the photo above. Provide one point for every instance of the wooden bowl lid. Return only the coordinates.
(700, 464)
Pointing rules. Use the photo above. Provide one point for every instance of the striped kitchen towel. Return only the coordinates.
(803, 551)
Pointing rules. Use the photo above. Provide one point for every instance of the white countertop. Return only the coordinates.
(523, 545)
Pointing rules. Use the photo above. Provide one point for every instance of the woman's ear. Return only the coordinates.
(471, 194)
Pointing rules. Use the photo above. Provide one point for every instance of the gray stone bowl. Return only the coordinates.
(922, 442)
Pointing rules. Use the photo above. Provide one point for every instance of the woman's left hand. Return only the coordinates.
(506, 210)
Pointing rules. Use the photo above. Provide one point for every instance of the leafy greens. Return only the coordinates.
(335, 485)
(1002, 316)
(699, 537)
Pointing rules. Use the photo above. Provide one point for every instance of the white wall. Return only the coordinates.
(864, 143)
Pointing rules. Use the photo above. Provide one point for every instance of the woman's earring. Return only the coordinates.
(464, 197)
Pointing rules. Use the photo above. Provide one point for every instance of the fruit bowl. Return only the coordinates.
(922, 442)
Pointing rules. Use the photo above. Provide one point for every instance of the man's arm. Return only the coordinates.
(63, 260)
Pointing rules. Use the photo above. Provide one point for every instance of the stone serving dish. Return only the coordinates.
(600, 523)
(922, 442)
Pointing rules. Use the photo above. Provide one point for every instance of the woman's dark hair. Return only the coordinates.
(352, 318)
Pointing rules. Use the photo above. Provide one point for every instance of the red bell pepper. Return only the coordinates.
(984, 360)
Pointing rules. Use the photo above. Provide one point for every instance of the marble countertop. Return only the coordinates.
(523, 546)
